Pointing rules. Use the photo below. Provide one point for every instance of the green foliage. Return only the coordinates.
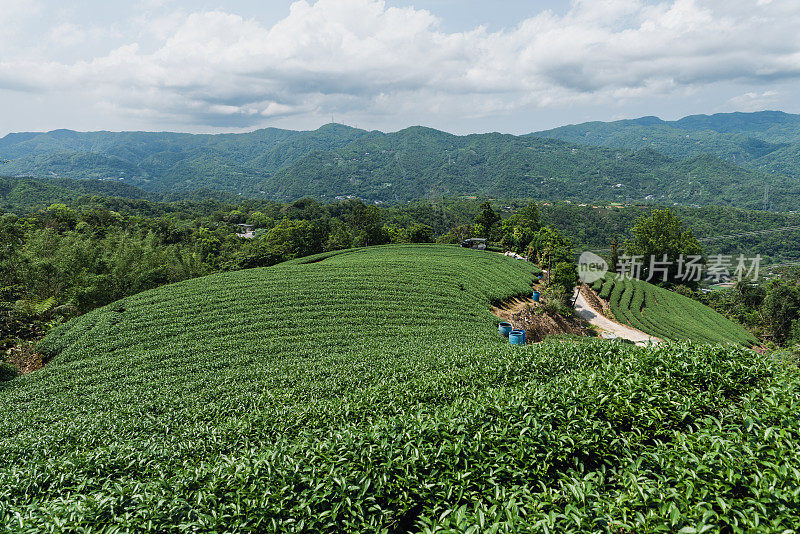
(556, 300)
(458, 234)
(420, 163)
(519, 229)
(366, 223)
(420, 233)
(594, 227)
(65, 260)
(486, 220)
(663, 237)
(365, 390)
(60, 217)
(608, 287)
(668, 315)
(7, 372)
(565, 275)
(781, 309)
(746, 303)
(292, 239)
(549, 247)
(36, 307)
(29, 194)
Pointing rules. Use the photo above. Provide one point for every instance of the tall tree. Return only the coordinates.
(781, 309)
(518, 230)
(549, 247)
(662, 240)
(487, 219)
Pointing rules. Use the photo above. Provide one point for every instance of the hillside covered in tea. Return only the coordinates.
(368, 390)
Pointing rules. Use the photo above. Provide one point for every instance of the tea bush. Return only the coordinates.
(668, 315)
(368, 391)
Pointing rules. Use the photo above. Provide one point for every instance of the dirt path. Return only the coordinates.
(584, 310)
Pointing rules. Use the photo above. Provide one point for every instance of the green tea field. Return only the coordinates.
(667, 314)
(368, 391)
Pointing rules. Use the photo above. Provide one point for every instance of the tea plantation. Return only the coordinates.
(367, 391)
(667, 314)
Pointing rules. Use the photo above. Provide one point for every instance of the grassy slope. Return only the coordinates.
(368, 391)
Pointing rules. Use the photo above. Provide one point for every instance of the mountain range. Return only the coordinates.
(767, 141)
(724, 159)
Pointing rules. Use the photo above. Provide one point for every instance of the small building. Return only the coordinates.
(475, 242)
(246, 231)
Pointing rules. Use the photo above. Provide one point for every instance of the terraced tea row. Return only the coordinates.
(666, 314)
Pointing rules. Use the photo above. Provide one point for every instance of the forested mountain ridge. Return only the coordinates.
(424, 163)
(767, 140)
(414, 163)
(167, 161)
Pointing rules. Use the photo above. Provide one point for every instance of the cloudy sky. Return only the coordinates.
(462, 66)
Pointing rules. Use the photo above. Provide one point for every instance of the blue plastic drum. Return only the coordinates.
(517, 337)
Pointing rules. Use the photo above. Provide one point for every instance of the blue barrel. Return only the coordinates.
(505, 329)
(517, 337)
(535, 296)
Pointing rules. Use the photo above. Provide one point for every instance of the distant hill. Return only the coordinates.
(414, 163)
(767, 140)
(33, 193)
(166, 161)
(419, 162)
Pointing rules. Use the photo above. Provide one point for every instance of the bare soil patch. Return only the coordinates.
(594, 300)
(527, 315)
(25, 358)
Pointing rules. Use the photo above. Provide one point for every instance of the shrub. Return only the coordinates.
(7, 372)
(565, 275)
(669, 315)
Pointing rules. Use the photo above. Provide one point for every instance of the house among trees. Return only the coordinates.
(474, 242)
(246, 230)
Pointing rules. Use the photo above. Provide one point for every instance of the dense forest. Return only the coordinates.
(337, 161)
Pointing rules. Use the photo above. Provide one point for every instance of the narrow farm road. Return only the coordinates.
(585, 311)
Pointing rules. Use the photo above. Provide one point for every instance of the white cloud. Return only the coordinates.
(13, 10)
(13, 15)
(216, 68)
(754, 101)
(67, 34)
